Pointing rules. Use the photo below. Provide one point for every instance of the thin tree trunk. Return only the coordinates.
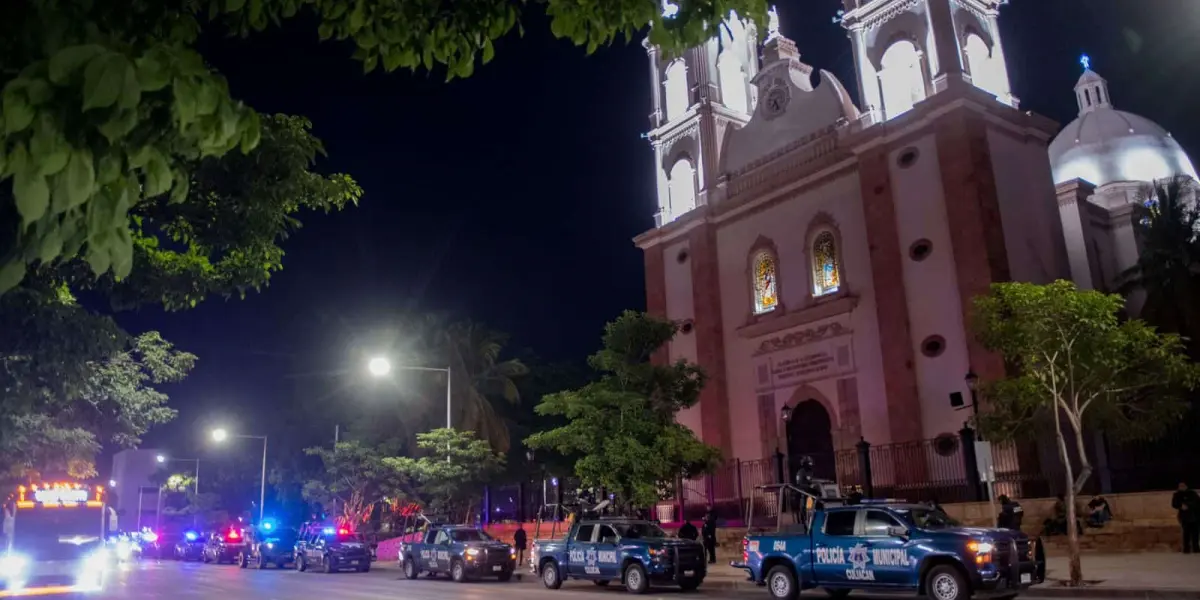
(1074, 566)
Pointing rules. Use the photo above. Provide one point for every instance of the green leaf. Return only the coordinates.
(153, 73)
(180, 191)
(98, 259)
(370, 63)
(234, 5)
(32, 194)
(81, 177)
(122, 253)
(11, 274)
(109, 168)
(18, 113)
(48, 151)
(103, 80)
(39, 92)
(67, 61)
(489, 51)
(208, 97)
(51, 246)
(119, 125)
(158, 176)
(185, 101)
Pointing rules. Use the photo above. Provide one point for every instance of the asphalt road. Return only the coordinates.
(156, 580)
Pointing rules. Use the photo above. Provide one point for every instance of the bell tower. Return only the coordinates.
(696, 96)
(908, 50)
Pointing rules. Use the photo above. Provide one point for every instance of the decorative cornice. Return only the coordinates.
(875, 18)
(802, 338)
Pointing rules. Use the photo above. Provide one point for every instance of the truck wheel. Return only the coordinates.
(636, 581)
(242, 562)
(327, 564)
(550, 576)
(781, 582)
(301, 564)
(944, 583)
(410, 569)
(458, 572)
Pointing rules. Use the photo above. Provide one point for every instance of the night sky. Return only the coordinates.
(511, 197)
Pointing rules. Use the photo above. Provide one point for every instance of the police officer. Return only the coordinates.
(709, 534)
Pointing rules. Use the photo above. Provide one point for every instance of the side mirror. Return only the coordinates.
(899, 532)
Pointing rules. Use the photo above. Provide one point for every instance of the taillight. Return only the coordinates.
(233, 535)
(745, 550)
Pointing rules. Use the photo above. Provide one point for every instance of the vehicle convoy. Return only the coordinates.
(189, 547)
(270, 546)
(634, 552)
(459, 551)
(886, 545)
(332, 549)
(224, 546)
(54, 540)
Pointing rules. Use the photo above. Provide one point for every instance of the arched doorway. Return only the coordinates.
(810, 433)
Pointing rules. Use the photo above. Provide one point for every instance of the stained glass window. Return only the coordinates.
(827, 275)
(766, 293)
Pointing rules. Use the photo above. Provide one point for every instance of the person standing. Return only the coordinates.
(709, 533)
(519, 542)
(1186, 503)
(1011, 514)
(688, 531)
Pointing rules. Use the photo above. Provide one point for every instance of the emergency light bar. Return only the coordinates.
(883, 501)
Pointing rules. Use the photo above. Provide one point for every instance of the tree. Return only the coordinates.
(1074, 364)
(106, 103)
(354, 478)
(451, 477)
(1167, 225)
(73, 381)
(623, 426)
(481, 376)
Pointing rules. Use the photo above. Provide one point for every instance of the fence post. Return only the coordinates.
(740, 498)
(970, 464)
(779, 467)
(864, 467)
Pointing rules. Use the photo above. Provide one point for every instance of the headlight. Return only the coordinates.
(270, 546)
(13, 566)
(657, 552)
(472, 552)
(980, 547)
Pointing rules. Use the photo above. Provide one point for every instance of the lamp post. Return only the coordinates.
(220, 435)
(382, 367)
(973, 384)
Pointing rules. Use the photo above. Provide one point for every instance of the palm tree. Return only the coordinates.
(1168, 267)
(480, 378)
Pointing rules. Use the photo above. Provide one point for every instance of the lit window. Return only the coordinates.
(766, 292)
(682, 185)
(676, 89)
(733, 81)
(902, 78)
(827, 277)
(987, 72)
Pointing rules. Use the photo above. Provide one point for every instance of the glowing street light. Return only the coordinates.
(112, 483)
(219, 435)
(160, 458)
(379, 366)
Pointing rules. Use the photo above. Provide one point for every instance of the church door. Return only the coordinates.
(810, 433)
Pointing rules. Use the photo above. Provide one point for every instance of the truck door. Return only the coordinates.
(608, 560)
(439, 551)
(832, 547)
(889, 553)
(578, 549)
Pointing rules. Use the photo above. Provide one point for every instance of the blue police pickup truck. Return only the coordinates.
(462, 552)
(634, 552)
(892, 546)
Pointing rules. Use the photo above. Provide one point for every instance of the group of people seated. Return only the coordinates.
(1097, 514)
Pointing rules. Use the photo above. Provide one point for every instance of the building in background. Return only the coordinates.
(822, 257)
(132, 473)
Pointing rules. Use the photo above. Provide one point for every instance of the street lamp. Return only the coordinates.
(112, 483)
(220, 435)
(381, 367)
(973, 384)
(160, 458)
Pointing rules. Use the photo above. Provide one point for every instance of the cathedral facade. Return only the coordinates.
(822, 256)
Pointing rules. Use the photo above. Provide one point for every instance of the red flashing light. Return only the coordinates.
(343, 531)
(233, 534)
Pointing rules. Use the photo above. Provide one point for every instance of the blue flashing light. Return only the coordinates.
(554, 481)
(190, 536)
(327, 531)
(267, 525)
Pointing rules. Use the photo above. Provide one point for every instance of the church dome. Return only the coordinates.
(1106, 145)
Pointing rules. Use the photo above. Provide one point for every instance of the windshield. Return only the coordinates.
(470, 535)
(60, 533)
(639, 530)
(928, 518)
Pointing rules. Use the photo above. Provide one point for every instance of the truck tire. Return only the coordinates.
(636, 581)
(944, 583)
(550, 577)
(301, 564)
(781, 583)
(458, 571)
(410, 569)
(243, 562)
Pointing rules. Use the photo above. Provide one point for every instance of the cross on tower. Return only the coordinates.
(1086, 61)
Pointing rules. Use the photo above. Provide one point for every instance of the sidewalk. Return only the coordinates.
(1150, 575)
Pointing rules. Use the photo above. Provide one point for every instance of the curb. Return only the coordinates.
(1058, 591)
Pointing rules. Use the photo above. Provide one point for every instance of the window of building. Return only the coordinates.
(682, 185)
(733, 81)
(987, 72)
(766, 291)
(840, 522)
(902, 78)
(827, 276)
(676, 89)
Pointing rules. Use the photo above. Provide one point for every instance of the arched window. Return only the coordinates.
(676, 89)
(733, 81)
(765, 281)
(826, 271)
(682, 184)
(987, 73)
(902, 78)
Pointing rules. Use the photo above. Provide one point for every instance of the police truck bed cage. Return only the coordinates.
(794, 500)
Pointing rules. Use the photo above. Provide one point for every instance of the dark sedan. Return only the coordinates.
(264, 549)
(224, 546)
(190, 547)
